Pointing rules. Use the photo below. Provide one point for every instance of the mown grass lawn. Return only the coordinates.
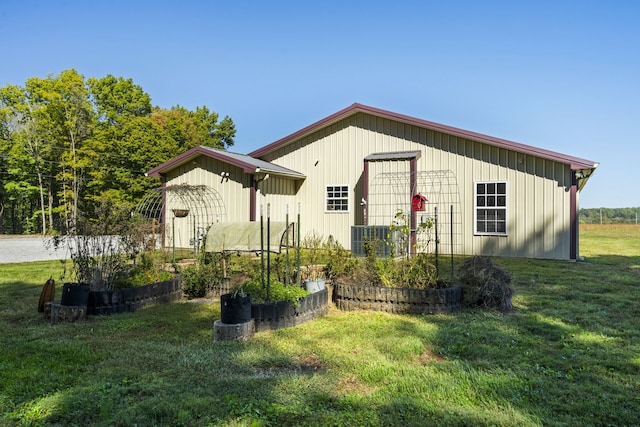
(569, 355)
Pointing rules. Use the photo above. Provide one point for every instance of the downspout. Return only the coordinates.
(365, 192)
(252, 198)
(573, 220)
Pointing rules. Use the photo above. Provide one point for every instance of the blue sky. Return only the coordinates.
(561, 75)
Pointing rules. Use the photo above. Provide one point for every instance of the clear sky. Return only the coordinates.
(562, 75)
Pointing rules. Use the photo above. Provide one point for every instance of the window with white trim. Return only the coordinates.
(491, 208)
(337, 198)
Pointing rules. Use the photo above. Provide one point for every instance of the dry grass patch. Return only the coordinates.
(428, 356)
(351, 385)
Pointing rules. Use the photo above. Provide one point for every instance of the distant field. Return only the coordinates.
(606, 240)
(612, 227)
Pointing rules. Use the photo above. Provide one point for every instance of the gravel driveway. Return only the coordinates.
(26, 249)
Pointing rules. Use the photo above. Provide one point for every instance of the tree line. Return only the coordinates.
(70, 144)
(609, 215)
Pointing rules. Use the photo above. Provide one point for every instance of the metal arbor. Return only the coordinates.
(437, 199)
(182, 214)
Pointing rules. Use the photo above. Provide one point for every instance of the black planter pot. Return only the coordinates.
(99, 302)
(74, 294)
(235, 309)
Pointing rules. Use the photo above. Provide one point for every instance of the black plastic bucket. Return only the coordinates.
(74, 294)
(236, 309)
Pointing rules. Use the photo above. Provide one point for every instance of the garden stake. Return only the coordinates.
(435, 210)
(262, 247)
(269, 252)
(451, 239)
(298, 252)
(286, 276)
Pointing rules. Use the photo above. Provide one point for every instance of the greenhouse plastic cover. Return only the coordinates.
(245, 237)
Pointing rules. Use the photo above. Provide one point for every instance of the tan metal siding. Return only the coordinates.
(279, 195)
(538, 196)
(206, 171)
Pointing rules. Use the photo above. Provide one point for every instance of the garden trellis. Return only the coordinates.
(182, 214)
(393, 192)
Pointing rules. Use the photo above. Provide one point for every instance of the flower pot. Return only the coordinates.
(235, 309)
(74, 294)
(314, 286)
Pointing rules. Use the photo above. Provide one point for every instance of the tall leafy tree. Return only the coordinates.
(75, 125)
(192, 128)
(122, 108)
(26, 142)
(49, 121)
(68, 145)
(118, 100)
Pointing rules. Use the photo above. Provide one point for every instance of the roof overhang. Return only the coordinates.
(248, 164)
(583, 175)
(575, 163)
(395, 155)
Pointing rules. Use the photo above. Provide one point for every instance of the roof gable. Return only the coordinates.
(247, 163)
(575, 163)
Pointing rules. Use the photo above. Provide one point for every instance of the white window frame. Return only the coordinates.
(343, 189)
(483, 203)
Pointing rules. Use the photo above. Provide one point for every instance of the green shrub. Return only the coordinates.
(414, 272)
(200, 278)
(145, 272)
(279, 292)
(141, 277)
(340, 262)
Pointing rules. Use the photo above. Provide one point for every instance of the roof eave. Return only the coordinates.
(294, 176)
(191, 154)
(583, 174)
(195, 152)
(574, 162)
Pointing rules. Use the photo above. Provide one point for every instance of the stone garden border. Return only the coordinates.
(130, 299)
(284, 314)
(397, 300)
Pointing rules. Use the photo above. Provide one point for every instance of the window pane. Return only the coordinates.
(337, 198)
(491, 212)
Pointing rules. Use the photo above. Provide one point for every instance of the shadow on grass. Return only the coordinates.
(569, 352)
(19, 303)
(160, 366)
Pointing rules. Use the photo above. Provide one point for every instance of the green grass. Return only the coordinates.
(569, 355)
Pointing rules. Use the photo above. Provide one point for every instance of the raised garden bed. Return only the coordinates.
(131, 299)
(397, 300)
(284, 314)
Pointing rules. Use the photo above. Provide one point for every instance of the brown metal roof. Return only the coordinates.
(575, 163)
